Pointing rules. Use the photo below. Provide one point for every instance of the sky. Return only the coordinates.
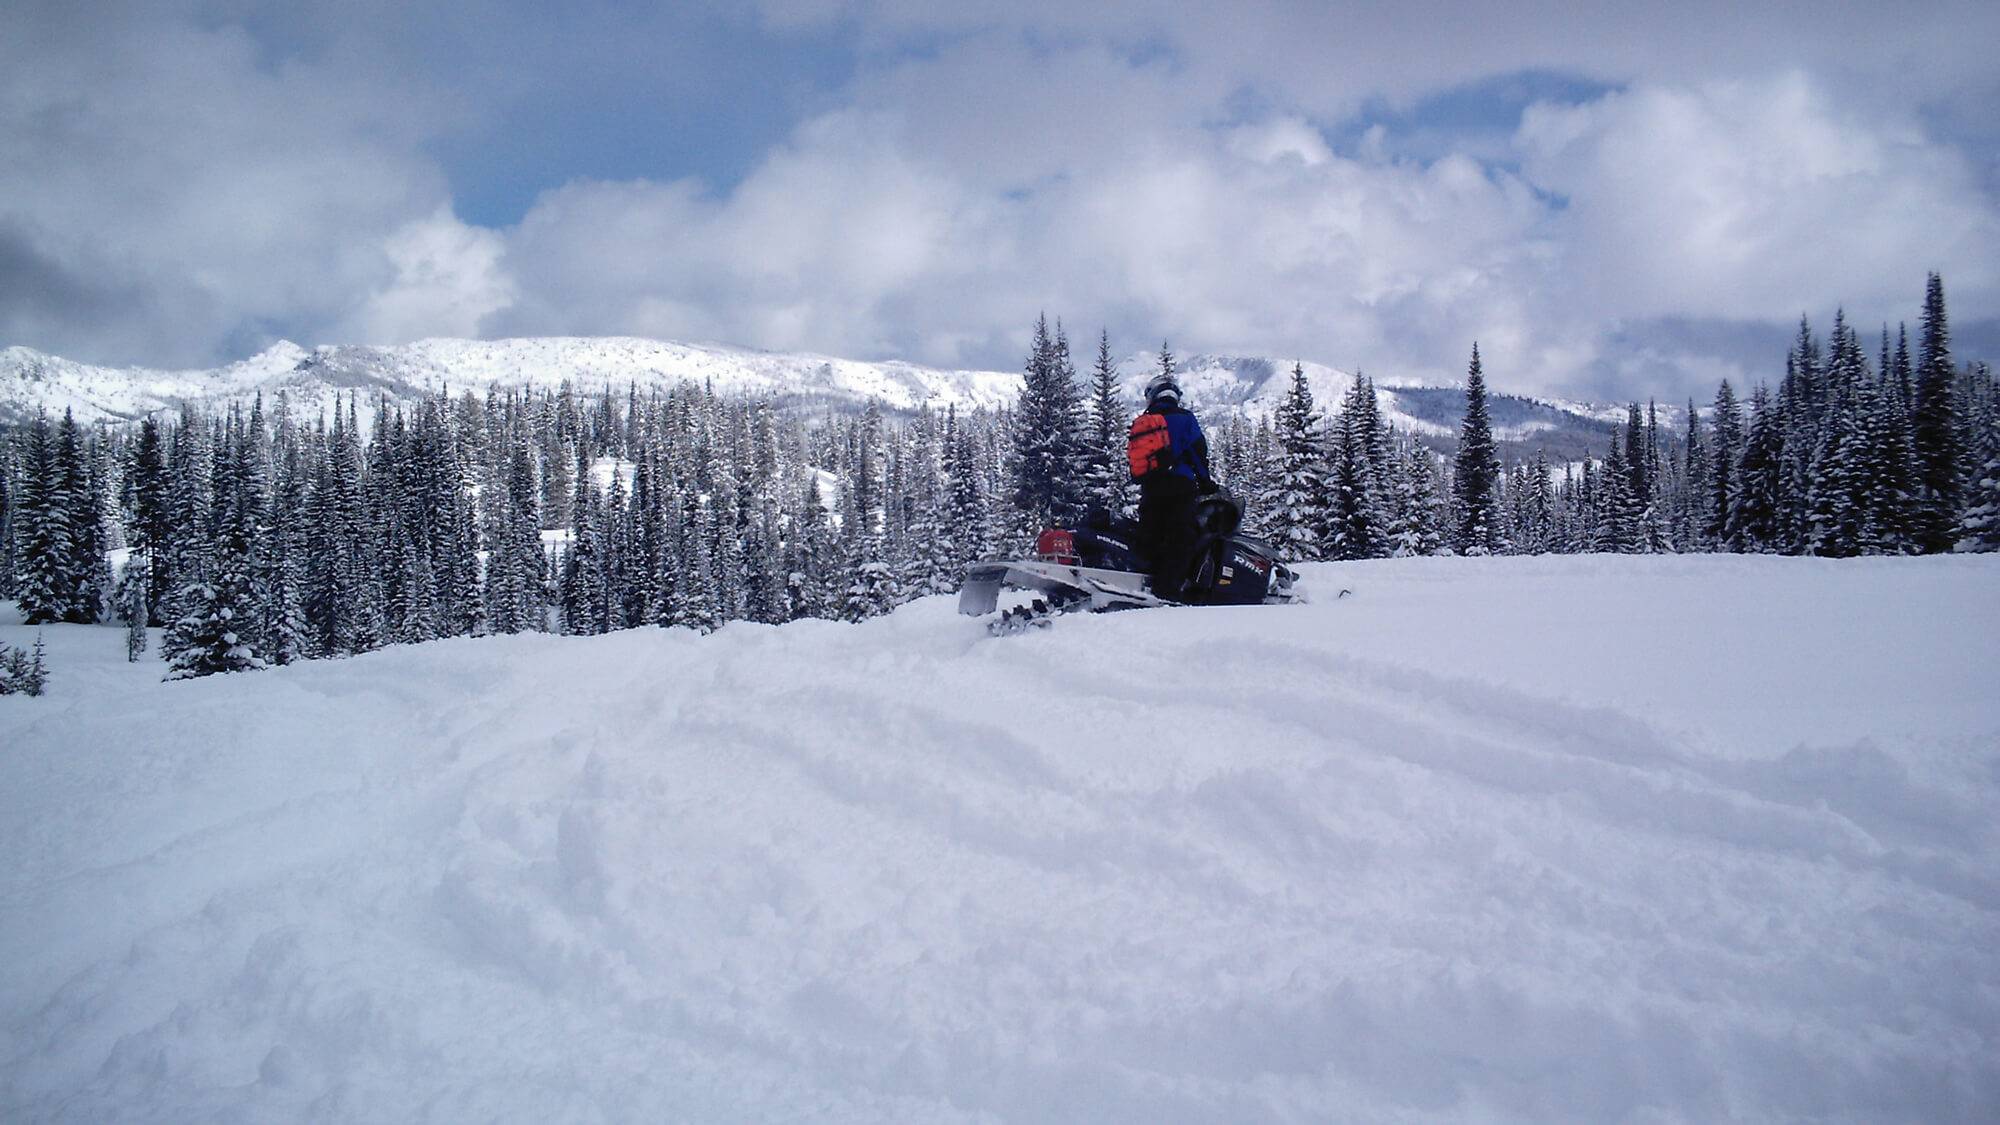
(1633, 200)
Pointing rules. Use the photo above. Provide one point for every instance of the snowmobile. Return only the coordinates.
(1100, 567)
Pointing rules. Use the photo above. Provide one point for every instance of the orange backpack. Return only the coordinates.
(1149, 447)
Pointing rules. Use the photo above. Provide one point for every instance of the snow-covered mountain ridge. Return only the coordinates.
(1217, 385)
(31, 379)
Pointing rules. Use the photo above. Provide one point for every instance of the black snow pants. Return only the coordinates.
(1166, 526)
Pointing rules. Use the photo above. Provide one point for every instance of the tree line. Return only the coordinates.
(1847, 457)
(256, 537)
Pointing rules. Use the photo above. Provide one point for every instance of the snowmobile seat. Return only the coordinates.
(1218, 514)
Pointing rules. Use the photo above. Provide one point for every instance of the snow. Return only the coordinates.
(830, 493)
(604, 470)
(1592, 838)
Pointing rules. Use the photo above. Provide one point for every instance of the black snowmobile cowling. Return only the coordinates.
(1099, 566)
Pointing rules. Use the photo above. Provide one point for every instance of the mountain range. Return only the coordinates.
(310, 378)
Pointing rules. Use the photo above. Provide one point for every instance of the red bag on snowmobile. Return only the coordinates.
(1057, 546)
(1149, 447)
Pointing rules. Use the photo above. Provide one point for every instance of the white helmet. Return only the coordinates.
(1163, 387)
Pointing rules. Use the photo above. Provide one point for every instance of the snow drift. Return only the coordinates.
(1582, 838)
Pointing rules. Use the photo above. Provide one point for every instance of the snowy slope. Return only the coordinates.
(31, 379)
(591, 364)
(1461, 846)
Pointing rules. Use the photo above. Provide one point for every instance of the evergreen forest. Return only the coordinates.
(258, 537)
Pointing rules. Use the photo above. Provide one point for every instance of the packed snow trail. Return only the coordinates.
(1580, 839)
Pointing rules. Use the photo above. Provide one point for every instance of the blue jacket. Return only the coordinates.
(1190, 445)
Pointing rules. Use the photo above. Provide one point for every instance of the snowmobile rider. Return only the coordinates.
(1168, 456)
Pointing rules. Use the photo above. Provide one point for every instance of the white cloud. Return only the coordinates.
(1158, 171)
(1754, 200)
(1283, 138)
(918, 226)
(448, 280)
(221, 198)
(854, 238)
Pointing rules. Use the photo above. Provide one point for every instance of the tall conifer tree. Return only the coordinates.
(1298, 515)
(1476, 471)
(1938, 454)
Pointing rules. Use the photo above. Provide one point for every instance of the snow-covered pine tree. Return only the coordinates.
(1421, 516)
(1892, 458)
(455, 521)
(1567, 513)
(1584, 511)
(870, 588)
(645, 539)
(388, 525)
(191, 501)
(1836, 500)
(1254, 471)
(149, 518)
(338, 562)
(1973, 393)
(7, 500)
(1048, 485)
(1638, 485)
(405, 574)
(281, 581)
(1520, 525)
(23, 672)
(965, 500)
(725, 544)
(1654, 534)
(1724, 455)
(45, 586)
(1754, 522)
(613, 561)
(1979, 527)
(1534, 528)
(663, 585)
(764, 572)
(694, 590)
(85, 492)
(1226, 447)
(723, 486)
(898, 507)
(868, 582)
(927, 563)
(463, 580)
(1108, 481)
(1617, 529)
(1800, 405)
(1475, 472)
(581, 588)
(810, 556)
(1936, 439)
(1376, 444)
(1354, 526)
(1691, 517)
(529, 566)
(212, 631)
(1297, 514)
